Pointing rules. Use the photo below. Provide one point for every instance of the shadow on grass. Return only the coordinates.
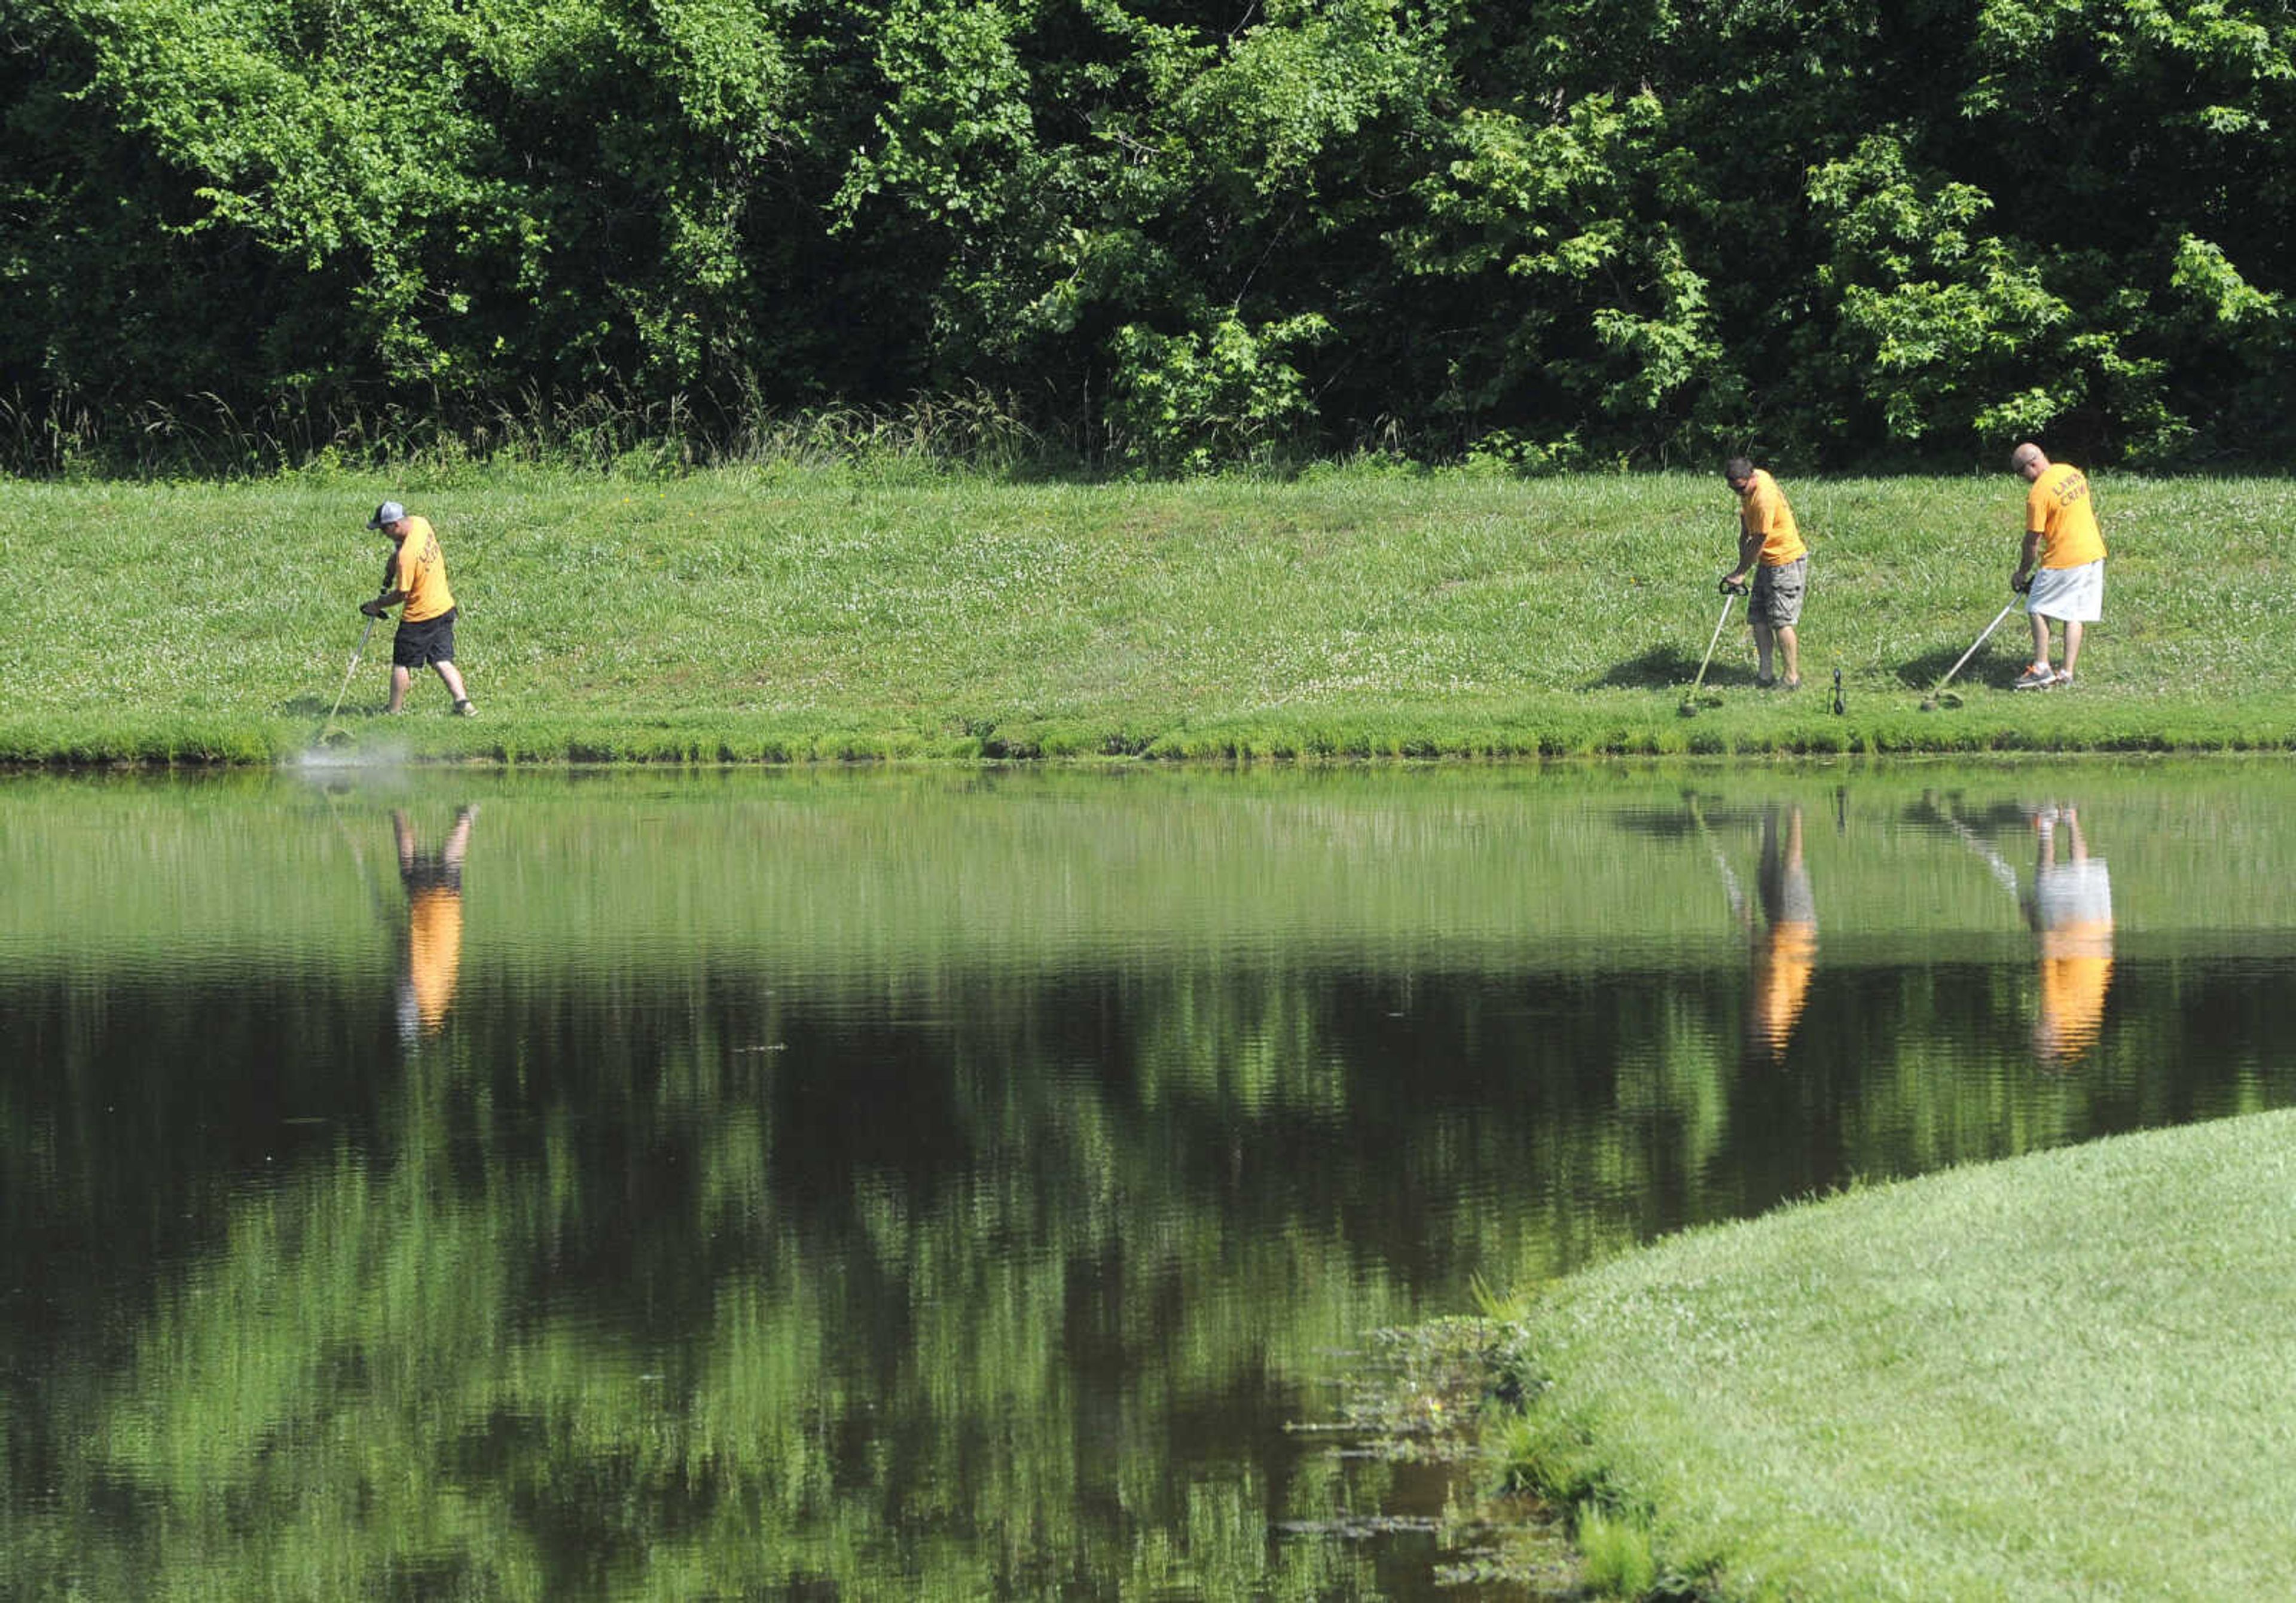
(1670, 667)
(1988, 670)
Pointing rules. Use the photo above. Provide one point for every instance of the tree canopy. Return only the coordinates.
(1167, 232)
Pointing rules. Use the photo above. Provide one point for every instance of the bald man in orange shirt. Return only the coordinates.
(2062, 566)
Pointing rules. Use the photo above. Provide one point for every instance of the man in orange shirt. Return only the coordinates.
(416, 575)
(2062, 536)
(1771, 547)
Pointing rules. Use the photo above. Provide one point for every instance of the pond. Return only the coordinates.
(825, 1184)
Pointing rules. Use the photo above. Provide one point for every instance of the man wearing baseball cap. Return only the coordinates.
(416, 575)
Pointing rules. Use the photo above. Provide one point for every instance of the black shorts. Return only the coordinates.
(434, 872)
(419, 645)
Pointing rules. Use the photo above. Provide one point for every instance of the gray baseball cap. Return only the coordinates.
(389, 513)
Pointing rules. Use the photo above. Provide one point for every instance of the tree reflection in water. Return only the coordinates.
(956, 1188)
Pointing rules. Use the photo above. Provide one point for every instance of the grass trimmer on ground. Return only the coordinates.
(357, 651)
(1689, 707)
(1938, 696)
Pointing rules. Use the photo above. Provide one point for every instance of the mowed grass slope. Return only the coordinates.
(2061, 1376)
(827, 613)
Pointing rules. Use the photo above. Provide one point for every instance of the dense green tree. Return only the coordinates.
(1175, 235)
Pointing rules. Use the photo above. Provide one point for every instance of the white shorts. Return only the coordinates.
(2073, 893)
(2071, 595)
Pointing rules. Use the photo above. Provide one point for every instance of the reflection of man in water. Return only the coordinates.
(1786, 946)
(434, 922)
(2072, 909)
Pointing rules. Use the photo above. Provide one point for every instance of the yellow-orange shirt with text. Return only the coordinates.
(2058, 509)
(422, 572)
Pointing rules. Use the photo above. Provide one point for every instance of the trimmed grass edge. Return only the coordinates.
(1406, 734)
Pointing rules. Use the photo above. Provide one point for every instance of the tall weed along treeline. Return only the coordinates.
(238, 233)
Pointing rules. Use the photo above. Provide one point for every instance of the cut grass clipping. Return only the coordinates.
(2064, 1376)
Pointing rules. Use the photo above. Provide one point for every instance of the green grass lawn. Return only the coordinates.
(2064, 1376)
(827, 613)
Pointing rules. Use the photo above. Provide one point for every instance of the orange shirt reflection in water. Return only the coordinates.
(434, 921)
(2071, 910)
(1785, 947)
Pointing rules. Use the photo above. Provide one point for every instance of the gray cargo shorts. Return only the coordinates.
(1777, 599)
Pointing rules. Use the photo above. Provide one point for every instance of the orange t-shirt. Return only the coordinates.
(2076, 974)
(434, 949)
(1763, 510)
(2058, 509)
(420, 571)
(2072, 909)
(1783, 963)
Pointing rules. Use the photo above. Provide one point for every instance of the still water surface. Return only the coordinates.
(835, 1185)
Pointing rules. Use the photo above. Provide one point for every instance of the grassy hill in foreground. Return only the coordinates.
(828, 614)
(2062, 1376)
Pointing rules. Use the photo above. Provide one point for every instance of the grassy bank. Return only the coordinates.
(2058, 1377)
(822, 615)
